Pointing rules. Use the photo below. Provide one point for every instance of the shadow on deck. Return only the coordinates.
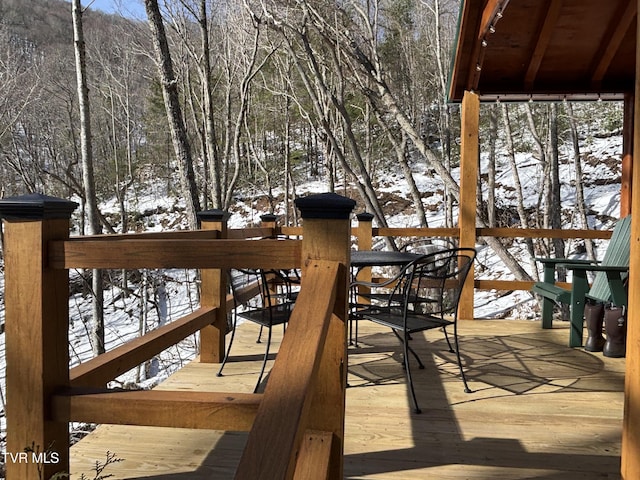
(539, 410)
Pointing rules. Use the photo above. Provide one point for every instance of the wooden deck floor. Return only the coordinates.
(539, 410)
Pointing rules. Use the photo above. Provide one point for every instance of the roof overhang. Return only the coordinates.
(518, 50)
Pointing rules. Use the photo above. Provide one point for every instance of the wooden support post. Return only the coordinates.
(627, 157)
(630, 460)
(37, 337)
(214, 294)
(469, 153)
(327, 236)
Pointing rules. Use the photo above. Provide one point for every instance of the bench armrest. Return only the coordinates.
(549, 266)
(565, 261)
(596, 268)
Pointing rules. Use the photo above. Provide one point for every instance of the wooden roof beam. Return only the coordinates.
(491, 14)
(618, 27)
(544, 37)
(478, 24)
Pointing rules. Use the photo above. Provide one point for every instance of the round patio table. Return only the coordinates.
(381, 258)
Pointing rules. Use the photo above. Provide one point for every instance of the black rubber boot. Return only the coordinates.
(594, 318)
(615, 325)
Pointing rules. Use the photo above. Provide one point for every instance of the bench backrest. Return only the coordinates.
(617, 255)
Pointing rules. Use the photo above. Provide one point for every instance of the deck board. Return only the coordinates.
(539, 410)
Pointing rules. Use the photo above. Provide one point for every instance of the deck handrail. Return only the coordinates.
(180, 253)
(302, 376)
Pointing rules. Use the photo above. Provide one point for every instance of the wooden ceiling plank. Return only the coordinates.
(543, 39)
(618, 28)
(576, 59)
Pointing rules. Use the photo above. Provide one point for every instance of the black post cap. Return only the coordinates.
(36, 206)
(213, 215)
(365, 217)
(268, 217)
(325, 205)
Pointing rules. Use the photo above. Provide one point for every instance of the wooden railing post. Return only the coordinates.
(327, 236)
(269, 220)
(364, 233)
(37, 337)
(214, 294)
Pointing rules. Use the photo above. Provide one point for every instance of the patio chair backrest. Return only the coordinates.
(617, 255)
(436, 280)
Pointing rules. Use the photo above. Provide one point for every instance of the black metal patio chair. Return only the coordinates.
(272, 306)
(424, 295)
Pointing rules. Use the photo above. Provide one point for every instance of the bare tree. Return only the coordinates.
(363, 49)
(97, 330)
(577, 165)
(555, 198)
(322, 72)
(401, 149)
(211, 141)
(201, 94)
(180, 140)
(491, 168)
(515, 175)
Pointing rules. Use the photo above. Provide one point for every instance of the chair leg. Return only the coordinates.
(264, 361)
(405, 342)
(446, 337)
(259, 339)
(407, 349)
(353, 330)
(226, 355)
(464, 378)
(547, 312)
(579, 289)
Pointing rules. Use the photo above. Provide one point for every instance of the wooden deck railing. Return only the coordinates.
(365, 233)
(301, 414)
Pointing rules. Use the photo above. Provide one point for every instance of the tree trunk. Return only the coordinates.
(577, 163)
(555, 207)
(543, 180)
(491, 168)
(522, 213)
(209, 124)
(444, 110)
(177, 127)
(400, 149)
(97, 329)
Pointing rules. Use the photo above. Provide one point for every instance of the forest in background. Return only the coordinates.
(227, 102)
(271, 94)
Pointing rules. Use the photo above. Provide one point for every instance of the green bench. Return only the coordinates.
(608, 285)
